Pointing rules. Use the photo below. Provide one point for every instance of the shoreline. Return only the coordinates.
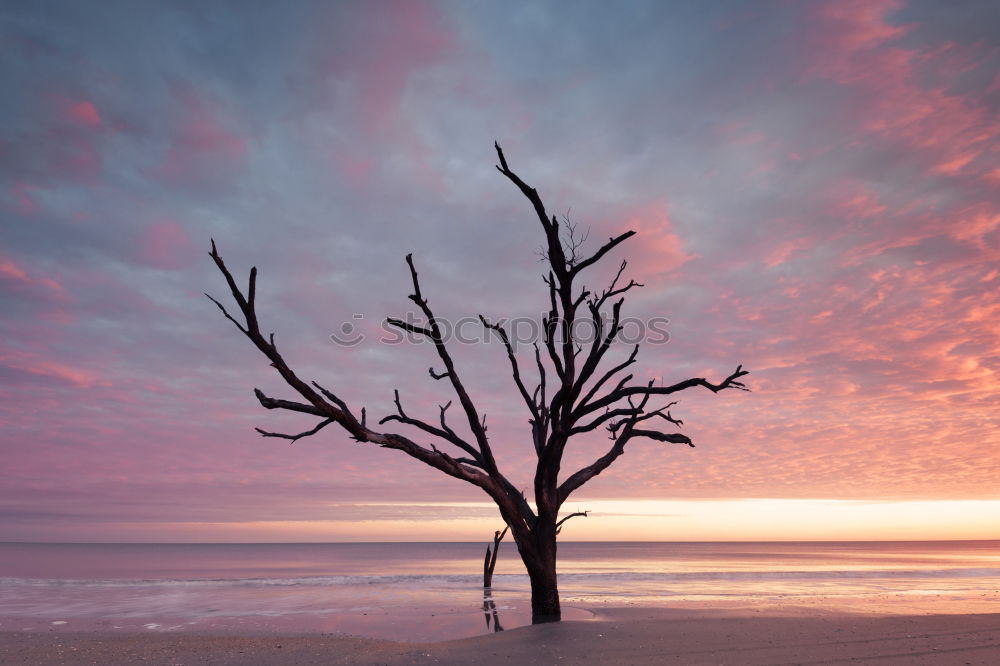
(630, 635)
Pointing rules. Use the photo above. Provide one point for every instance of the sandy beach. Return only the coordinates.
(618, 636)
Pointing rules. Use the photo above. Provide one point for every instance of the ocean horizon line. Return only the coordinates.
(566, 541)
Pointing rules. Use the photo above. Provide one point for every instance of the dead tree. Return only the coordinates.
(574, 393)
(490, 563)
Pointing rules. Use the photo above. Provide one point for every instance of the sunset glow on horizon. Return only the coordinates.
(608, 520)
(815, 189)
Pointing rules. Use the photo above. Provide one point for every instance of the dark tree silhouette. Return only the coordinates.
(573, 395)
(490, 563)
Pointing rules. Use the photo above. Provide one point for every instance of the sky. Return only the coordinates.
(815, 187)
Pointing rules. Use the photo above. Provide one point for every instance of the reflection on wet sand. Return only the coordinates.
(490, 610)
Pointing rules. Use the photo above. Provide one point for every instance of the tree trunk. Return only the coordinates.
(542, 573)
(544, 593)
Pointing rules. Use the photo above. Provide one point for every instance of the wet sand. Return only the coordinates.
(619, 636)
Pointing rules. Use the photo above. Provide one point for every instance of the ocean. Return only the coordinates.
(433, 591)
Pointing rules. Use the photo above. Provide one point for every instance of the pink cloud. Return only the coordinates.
(165, 245)
(202, 143)
(656, 248)
(51, 369)
(852, 26)
(906, 97)
(66, 146)
(856, 202)
(357, 170)
(23, 203)
(393, 45)
(405, 37)
(78, 157)
(954, 164)
(76, 112)
(84, 113)
(11, 272)
(974, 223)
(784, 251)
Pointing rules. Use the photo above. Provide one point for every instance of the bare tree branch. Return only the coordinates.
(607, 247)
(672, 437)
(275, 403)
(294, 438)
(573, 241)
(600, 345)
(515, 370)
(549, 325)
(614, 290)
(332, 398)
(617, 449)
(228, 316)
(608, 375)
(443, 432)
(475, 422)
(559, 524)
(442, 409)
(411, 328)
(636, 415)
(538, 423)
(603, 418)
(621, 393)
(528, 192)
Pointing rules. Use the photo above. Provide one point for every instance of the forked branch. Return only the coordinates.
(575, 514)
(443, 432)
